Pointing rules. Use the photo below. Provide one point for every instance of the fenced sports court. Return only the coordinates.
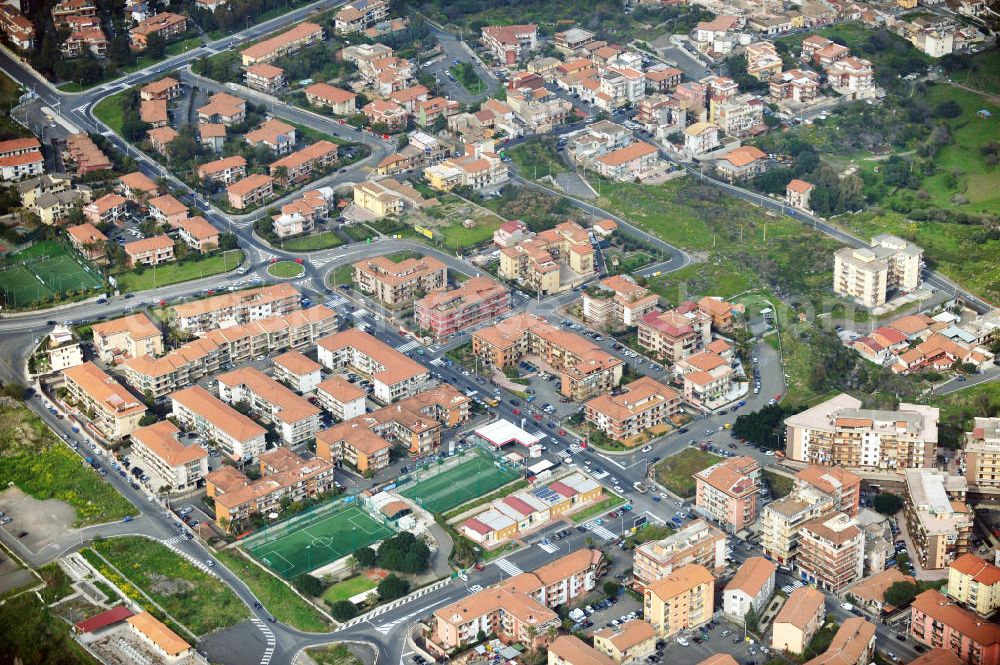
(42, 270)
(315, 539)
(480, 473)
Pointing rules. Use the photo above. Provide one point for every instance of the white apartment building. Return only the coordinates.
(751, 586)
(341, 398)
(171, 465)
(296, 419)
(393, 375)
(867, 275)
(240, 438)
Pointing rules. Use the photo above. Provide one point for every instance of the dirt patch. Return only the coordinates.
(169, 586)
(76, 609)
(40, 522)
(12, 575)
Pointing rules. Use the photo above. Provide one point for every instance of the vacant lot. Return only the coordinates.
(675, 473)
(983, 73)
(348, 588)
(457, 225)
(172, 273)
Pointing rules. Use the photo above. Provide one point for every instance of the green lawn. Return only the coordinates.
(359, 232)
(610, 503)
(109, 111)
(457, 237)
(333, 654)
(39, 464)
(323, 240)
(285, 269)
(984, 72)
(172, 273)
(279, 598)
(342, 275)
(779, 484)
(200, 602)
(676, 472)
(535, 159)
(347, 589)
(466, 74)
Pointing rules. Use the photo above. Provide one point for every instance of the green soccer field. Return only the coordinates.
(302, 549)
(464, 482)
(43, 269)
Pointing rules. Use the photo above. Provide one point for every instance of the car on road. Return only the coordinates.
(647, 449)
(683, 642)
(463, 577)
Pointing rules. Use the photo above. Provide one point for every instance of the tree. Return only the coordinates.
(901, 594)
(343, 610)
(392, 587)
(611, 588)
(119, 52)
(404, 553)
(156, 47)
(365, 556)
(887, 504)
(308, 585)
(751, 619)
(148, 419)
(227, 241)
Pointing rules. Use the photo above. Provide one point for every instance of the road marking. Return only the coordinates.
(408, 346)
(551, 548)
(508, 567)
(599, 531)
(336, 301)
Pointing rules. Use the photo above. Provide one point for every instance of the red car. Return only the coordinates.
(538, 417)
(299, 261)
(517, 412)
(274, 259)
(562, 432)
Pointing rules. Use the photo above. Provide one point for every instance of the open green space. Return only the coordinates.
(611, 502)
(110, 110)
(304, 544)
(466, 74)
(323, 240)
(180, 271)
(199, 601)
(535, 159)
(342, 275)
(34, 460)
(348, 588)
(359, 232)
(779, 484)
(959, 408)
(333, 654)
(467, 480)
(675, 472)
(285, 269)
(457, 237)
(43, 272)
(982, 71)
(279, 598)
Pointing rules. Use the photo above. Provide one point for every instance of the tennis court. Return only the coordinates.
(479, 475)
(298, 549)
(42, 270)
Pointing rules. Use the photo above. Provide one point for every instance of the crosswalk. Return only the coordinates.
(336, 301)
(551, 548)
(408, 346)
(599, 531)
(437, 362)
(265, 658)
(788, 588)
(175, 539)
(508, 567)
(386, 628)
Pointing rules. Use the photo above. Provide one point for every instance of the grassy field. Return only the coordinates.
(455, 236)
(333, 654)
(347, 589)
(285, 269)
(200, 602)
(535, 159)
(31, 634)
(984, 73)
(466, 74)
(463, 482)
(324, 240)
(342, 275)
(780, 485)
(172, 273)
(279, 599)
(675, 472)
(40, 465)
(610, 503)
(109, 111)
(959, 408)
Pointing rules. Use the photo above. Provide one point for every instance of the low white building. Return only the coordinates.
(751, 586)
(63, 349)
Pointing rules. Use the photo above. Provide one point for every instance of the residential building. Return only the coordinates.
(128, 337)
(676, 333)
(173, 466)
(166, 88)
(49, 183)
(223, 108)
(628, 163)
(149, 251)
(682, 600)
(168, 210)
(839, 432)
(284, 44)
(277, 135)
(571, 650)
(299, 166)
(751, 587)
(740, 116)
(238, 307)
(975, 583)
(340, 102)
(727, 492)
(643, 407)
(536, 262)
(165, 24)
(869, 274)
(938, 520)
(159, 138)
(982, 455)
(251, 191)
(82, 155)
(63, 349)
(701, 137)
(795, 85)
(199, 234)
(841, 485)
(476, 300)
(90, 38)
(852, 77)
(166, 644)
(484, 171)
(617, 302)
(831, 551)
(510, 43)
(137, 187)
(696, 542)
(389, 196)
(88, 240)
(341, 398)
(108, 406)
(106, 210)
(763, 61)
(662, 78)
(585, 368)
(937, 622)
(852, 644)
(742, 163)
(572, 40)
(869, 593)
(799, 619)
(937, 656)
(708, 379)
(397, 284)
(227, 170)
(284, 478)
(360, 14)
(17, 28)
(539, 110)
(781, 521)
(265, 77)
(797, 194)
(387, 113)
(393, 375)
(629, 643)
(661, 115)
(296, 419)
(55, 208)
(238, 437)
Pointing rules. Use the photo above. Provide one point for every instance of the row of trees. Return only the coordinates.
(403, 553)
(831, 195)
(764, 427)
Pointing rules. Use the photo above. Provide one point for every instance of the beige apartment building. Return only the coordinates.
(839, 432)
(397, 284)
(617, 302)
(238, 307)
(645, 405)
(869, 274)
(63, 349)
(853, 644)
(109, 406)
(393, 375)
(728, 491)
(173, 466)
(295, 418)
(697, 542)
(982, 455)
(683, 599)
(799, 619)
(937, 518)
(831, 551)
(840, 484)
(536, 261)
(128, 337)
(629, 643)
(241, 439)
(975, 583)
(781, 520)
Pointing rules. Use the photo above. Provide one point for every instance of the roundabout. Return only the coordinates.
(286, 269)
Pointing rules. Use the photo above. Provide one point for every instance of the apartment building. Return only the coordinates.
(586, 369)
(250, 191)
(869, 274)
(797, 194)
(570, 41)
(510, 43)
(284, 478)
(571, 650)
(474, 301)
(393, 375)
(296, 419)
(839, 432)
(535, 262)
(199, 234)
(238, 437)
(173, 466)
(297, 371)
(397, 284)
(628, 163)
(831, 551)
(159, 139)
(852, 644)
(632, 642)
(299, 166)
(284, 44)
(340, 102)
(727, 492)
(937, 518)
(799, 619)
(227, 170)
(975, 583)
(88, 240)
(137, 187)
(238, 307)
(385, 112)
(149, 251)
(360, 14)
(107, 405)
(781, 521)
(740, 116)
(676, 333)
(21, 158)
(265, 77)
(511, 616)
(937, 622)
(340, 398)
(617, 302)
(641, 407)
(763, 60)
(538, 110)
(839, 484)
(697, 542)
(852, 77)
(708, 378)
(90, 38)
(167, 210)
(562, 581)
(982, 455)
(106, 210)
(701, 137)
(485, 171)
(795, 85)
(742, 163)
(62, 349)
(223, 108)
(683, 599)
(165, 24)
(128, 337)
(751, 587)
(82, 155)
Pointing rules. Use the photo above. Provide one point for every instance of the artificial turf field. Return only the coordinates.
(463, 482)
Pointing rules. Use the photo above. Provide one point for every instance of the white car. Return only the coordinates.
(684, 643)
(647, 449)
(463, 577)
(770, 453)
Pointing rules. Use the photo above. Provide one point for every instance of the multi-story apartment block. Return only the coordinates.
(298, 166)
(975, 583)
(150, 251)
(586, 369)
(539, 110)
(839, 484)
(284, 44)
(199, 234)
(393, 375)
(781, 520)
(250, 191)
(284, 478)
(90, 38)
(697, 542)
(676, 333)
(839, 432)
(128, 337)
(109, 406)
(562, 581)
(852, 644)
(63, 349)
(340, 102)
(852, 77)
(167, 210)
(223, 108)
(751, 586)
(397, 284)
(360, 14)
(265, 77)
(937, 622)
(297, 371)
(617, 302)
(831, 551)
(982, 455)
(937, 518)
(683, 599)
(165, 24)
(296, 419)
(661, 115)
(740, 116)
(237, 307)
(869, 274)
(241, 439)
(535, 262)
(796, 85)
(510, 43)
(799, 619)
(137, 187)
(763, 60)
(212, 136)
(227, 170)
(708, 378)
(797, 194)
(341, 398)
(106, 210)
(482, 171)
(474, 301)
(643, 406)
(628, 163)
(82, 155)
(727, 492)
(173, 466)
(632, 642)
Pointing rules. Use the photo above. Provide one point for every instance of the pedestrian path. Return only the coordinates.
(599, 531)
(551, 548)
(336, 301)
(265, 659)
(176, 539)
(788, 588)
(437, 362)
(408, 346)
(508, 567)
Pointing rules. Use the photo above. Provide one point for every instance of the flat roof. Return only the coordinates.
(502, 432)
